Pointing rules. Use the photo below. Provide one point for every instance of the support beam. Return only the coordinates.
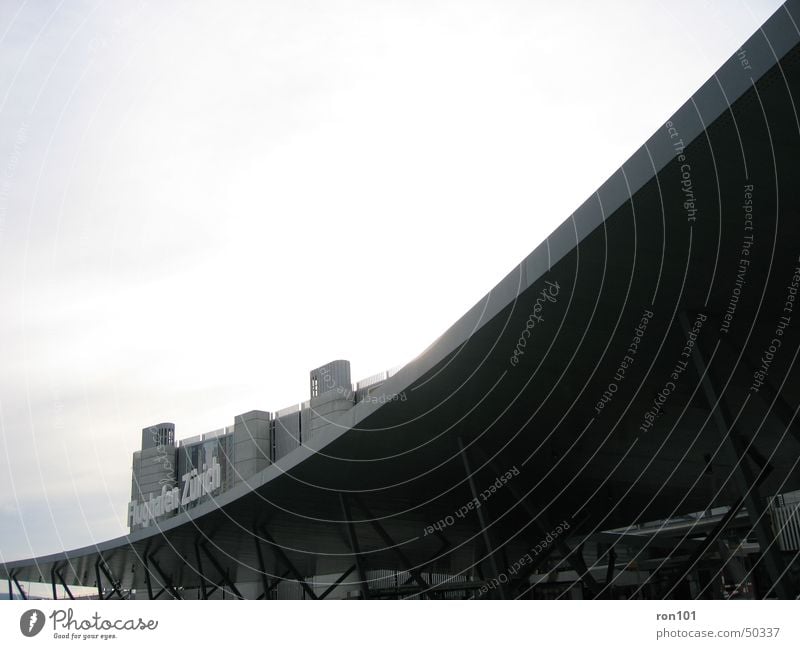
(262, 567)
(540, 558)
(733, 564)
(543, 524)
(147, 581)
(779, 407)
(436, 555)
(203, 591)
(57, 573)
(286, 562)
(165, 581)
(390, 544)
(743, 476)
(115, 585)
(165, 588)
(22, 593)
(272, 586)
(487, 541)
(576, 560)
(612, 559)
(343, 576)
(98, 581)
(709, 541)
(225, 577)
(354, 547)
(522, 577)
(66, 588)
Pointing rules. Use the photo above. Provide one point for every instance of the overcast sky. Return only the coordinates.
(200, 202)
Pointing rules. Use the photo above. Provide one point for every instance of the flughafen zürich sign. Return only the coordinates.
(195, 486)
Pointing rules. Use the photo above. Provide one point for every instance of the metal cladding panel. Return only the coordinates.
(195, 456)
(135, 470)
(158, 435)
(323, 414)
(305, 421)
(251, 444)
(325, 409)
(289, 589)
(152, 468)
(287, 434)
(331, 376)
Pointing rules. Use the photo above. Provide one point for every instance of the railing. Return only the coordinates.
(785, 510)
(286, 411)
(214, 434)
(394, 370)
(371, 380)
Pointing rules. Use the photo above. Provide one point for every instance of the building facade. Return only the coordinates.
(170, 476)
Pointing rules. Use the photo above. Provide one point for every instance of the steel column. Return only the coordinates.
(481, 518)
(436, 555)
(274, 585)
(578, 563)
(261, 565)
(147, 576)
(612, 558)
(19, 588)
(743, 476)
(265, 582)
(203, 591)
(573, 556)
(705, 545)
(165, 581)
(354, 547)
(225, 578)
(538, 560)
(344, 576)
(22, 593)
(98, 581)
(285, 560)
(56, 572)
(780, 408)
(116, 587)
(393, 546)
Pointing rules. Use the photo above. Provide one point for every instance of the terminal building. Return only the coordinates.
(170, 476)
(616, 418)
